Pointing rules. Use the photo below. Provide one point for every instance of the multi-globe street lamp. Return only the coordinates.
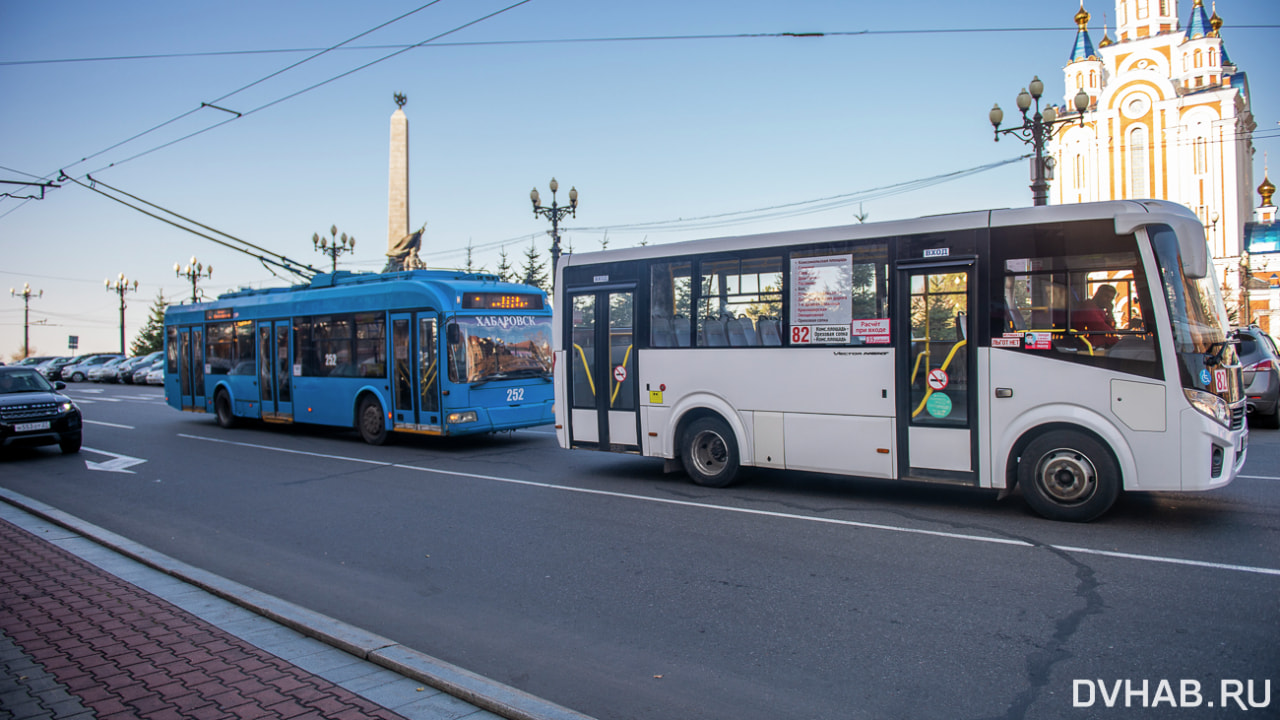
(555, 214)
(1036, 130)
(194, 272)
(120, 286)
(26, 294)
(334, 248)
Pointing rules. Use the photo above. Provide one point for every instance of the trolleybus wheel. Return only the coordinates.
(1067, 475)
(372, 426)
(222, 408)
(710, 453)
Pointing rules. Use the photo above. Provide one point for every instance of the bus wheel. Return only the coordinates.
(710, 453)
(372, 427)
(1067, 475)
(222, 408)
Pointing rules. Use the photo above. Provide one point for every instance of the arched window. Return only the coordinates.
(1199, 59)
(1202, 155)
(1139, 187)
(1093, 79)
(1213, 57)
(1079, 172)
(1079, 81)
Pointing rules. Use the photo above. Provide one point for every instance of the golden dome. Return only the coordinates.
(1082, 18)
(1215, 22)
(1266, 190)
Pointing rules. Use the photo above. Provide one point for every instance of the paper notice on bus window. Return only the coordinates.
(872, 332)
(822, 291)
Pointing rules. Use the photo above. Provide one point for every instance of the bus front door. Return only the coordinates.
(415, 372)
(604, 398)
(275, 371)
(191, 367)
(936, 361)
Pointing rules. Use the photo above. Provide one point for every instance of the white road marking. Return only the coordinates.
(767, 513)
(1258, 477)
(114, 425)
(118, 463)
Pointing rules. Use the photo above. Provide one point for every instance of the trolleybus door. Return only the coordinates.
(191, 366)
(936, 398)
(415, 371)
(603, 394)
(275, 371)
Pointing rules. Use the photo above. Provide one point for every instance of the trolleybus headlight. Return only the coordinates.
(1209, 404)
(462, 417)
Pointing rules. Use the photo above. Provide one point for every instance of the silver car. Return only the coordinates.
(1261, 378)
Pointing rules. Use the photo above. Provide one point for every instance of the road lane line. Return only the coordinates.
(114, 425)
(768, 513)
(1258, 477)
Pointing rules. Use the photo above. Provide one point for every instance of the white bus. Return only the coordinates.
(1074, 351)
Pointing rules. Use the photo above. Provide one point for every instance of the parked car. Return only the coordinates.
(127, 369)
(1261, 379)
(156, 375)
(52, 369)
(140, 375)
(95, 372)
(32, 360)
(80, 371)
(35, 412)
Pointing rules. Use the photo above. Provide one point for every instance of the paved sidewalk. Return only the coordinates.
(88, 633)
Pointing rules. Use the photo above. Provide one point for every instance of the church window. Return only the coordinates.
(1213, 57)
(1138, 185)
(1093, 78)
(1199, 59)
(1201, 152)
(1079, 81)
(1142, 9)
(1164, 7)
(1079, 172)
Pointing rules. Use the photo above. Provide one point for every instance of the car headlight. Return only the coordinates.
(1209, 404)
(461, 417)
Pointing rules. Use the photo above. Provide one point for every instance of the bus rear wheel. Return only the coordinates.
(1068, 475)
(222, 408)
(372, 426)
(710, 453)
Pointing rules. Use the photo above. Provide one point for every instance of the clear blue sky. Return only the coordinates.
(647, 131)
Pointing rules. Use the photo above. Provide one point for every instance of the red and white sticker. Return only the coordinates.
(620, 373)
(1220, 383)
(938, 379)
(1039, 341)
(1006, 342)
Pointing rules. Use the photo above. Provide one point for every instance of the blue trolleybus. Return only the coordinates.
(424, 351)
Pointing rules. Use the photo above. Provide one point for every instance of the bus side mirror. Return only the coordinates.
(453, 333)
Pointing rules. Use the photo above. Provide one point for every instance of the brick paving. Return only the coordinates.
(77, 642)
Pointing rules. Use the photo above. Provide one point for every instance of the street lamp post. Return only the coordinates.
(1036, 130)
(555, 214)
(193, 272)
(120, 286)
(26, 295)
(337, 247)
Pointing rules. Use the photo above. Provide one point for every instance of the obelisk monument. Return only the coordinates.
(398, 192)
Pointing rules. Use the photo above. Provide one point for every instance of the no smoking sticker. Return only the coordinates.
(620, 373)
(938, 379)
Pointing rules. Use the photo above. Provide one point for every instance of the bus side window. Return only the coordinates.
(670, 301)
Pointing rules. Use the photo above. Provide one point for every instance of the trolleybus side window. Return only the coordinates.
(1075, 291)
(229, 348)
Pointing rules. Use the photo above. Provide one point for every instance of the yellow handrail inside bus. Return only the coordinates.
(587, 368)
(429, 377)
(945, 364)
(617, 387)
(919, 358)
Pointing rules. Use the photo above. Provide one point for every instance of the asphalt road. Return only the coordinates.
(601, 584)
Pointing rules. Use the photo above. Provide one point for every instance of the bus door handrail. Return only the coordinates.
(616, 388)
(945, 363)
(586, 368)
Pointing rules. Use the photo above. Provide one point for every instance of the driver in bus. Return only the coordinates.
(1093, 319)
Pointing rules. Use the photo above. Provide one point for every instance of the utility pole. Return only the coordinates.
(120, 286)
(26, 315)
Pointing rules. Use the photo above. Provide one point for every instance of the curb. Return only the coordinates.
(487, 694)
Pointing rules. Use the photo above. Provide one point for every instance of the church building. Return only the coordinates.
(1169, 118)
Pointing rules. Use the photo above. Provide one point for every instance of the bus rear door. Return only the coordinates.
(936, 359)
(604, 398)
(191, 367)
(415, 372)
(275, 371)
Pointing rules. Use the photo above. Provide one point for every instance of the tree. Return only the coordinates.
(471, 266)
(534, 271)
(151, 337)
(23, 352)
(505, 272)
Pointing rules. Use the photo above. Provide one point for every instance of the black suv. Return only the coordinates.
(33, 412)
(1261, 379)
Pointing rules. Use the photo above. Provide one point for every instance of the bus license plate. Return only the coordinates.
(31, 427)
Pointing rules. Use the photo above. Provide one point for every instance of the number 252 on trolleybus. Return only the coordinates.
(1074, 351)
(428, 352)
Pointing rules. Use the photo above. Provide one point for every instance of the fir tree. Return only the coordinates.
(535, 270)
(505, 272)
(151, 337)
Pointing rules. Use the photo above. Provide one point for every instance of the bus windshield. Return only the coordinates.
(1198, 313)
(486, 348)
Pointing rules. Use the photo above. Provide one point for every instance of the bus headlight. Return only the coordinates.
(1209, 404)
(461, 417)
